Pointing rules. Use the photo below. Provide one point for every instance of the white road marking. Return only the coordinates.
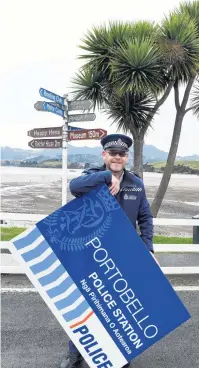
(186, 288)
(33, 290)
(18, 290)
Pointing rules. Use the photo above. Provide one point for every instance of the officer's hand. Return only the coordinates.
(115, 186)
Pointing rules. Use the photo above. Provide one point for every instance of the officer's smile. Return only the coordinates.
(116, 162)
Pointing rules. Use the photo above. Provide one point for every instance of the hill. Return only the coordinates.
(82, 155)
(180, 167)
(151, 153)
(192, 164)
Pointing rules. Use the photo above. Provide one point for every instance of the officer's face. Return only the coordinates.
(115, 161)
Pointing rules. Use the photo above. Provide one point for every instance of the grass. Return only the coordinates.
(50, 164)
(159, 239)
(191, 164)
(8, 233)
(11, 232)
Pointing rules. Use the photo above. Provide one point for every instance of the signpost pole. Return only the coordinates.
(64, 155)
(61, 106)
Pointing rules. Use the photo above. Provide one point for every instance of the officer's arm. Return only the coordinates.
(85, 183)
(145, 221)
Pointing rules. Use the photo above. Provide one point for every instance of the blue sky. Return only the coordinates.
(39, 48)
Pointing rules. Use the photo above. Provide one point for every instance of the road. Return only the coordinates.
(32, 337)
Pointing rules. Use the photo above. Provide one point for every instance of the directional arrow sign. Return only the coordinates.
(45, 143)
(49, 132)
(39, 106)
(81, 117)
(79, 105)
(51, 96)
(87, 134)
(51, 108)
(45, 132)
(63, 107)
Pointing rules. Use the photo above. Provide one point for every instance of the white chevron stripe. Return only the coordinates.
(73, 306)
(56, 282)
(49, 269)
(40, 258)
(83, 315)
(25, 233)
(64, 294)
(32, 246)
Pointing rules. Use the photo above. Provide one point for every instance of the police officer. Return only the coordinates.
(129, 191)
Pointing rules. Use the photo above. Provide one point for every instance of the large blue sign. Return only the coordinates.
(99, 279)
(51, 108)
(51, 96)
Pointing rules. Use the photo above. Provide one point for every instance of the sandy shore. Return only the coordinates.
(39, 192)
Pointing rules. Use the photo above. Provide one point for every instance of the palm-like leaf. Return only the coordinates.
(102, 44)
(192, 9)
(100, 41)
(136, 67)
(89, 84)
(195, 100)
(122, 57)
(127, 65)
(144, 30)
(179, 44)
(130, 111)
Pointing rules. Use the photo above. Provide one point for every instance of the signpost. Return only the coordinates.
(79, 105)
(54, 109)
(45, 132)
(81, 117)
(50, 132)
(84, 134)
(51, 96)
(87, 134)
(39, 105)
(61, 106)
(45, 143)
(50, 107)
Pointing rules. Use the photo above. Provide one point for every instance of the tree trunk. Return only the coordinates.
(181, 111)
(138, 156)
(138, 138)
(169, 165)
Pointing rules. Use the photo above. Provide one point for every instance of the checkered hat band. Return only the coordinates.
(118, 144)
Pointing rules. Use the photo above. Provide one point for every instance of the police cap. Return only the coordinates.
(116, 142)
